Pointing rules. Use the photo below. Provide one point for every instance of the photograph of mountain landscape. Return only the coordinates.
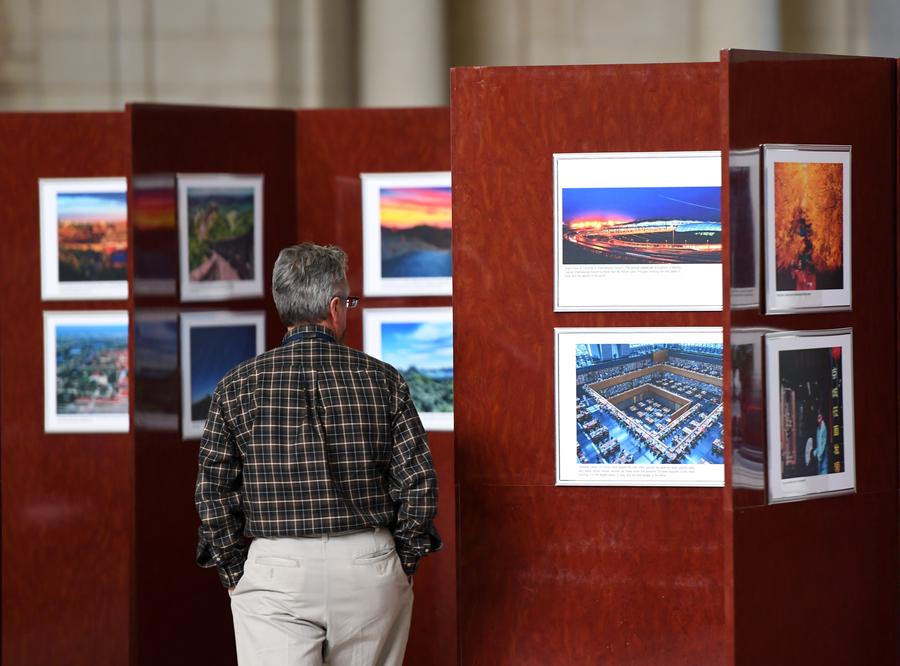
(84, 238)
(213, 343)
(221, 234)
(419, 343)
(407, 234)
(86, 363)
(415, 232)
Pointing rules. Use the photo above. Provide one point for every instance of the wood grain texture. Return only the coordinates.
(550, 574)
(562, 576)
(66, 498)
(333, 148)
(816, 581)
(174, 598)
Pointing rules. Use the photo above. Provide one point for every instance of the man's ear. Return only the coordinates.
(334, 307)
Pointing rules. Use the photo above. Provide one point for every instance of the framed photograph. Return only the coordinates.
(212, 343)
(84, 238)
(744, 203)
(86, 371)
(419, 343)
(637, 231)
(639, 407)
(406, 234)
(809, 400)
(807, 228)
(220, 220)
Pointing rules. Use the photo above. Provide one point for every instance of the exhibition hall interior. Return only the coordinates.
(636, 262)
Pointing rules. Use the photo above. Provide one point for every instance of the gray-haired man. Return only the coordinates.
(315, 450)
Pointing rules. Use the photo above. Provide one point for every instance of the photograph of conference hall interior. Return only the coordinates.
(99, 525)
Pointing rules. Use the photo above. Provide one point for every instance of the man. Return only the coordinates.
(315, 450)
(821, 444)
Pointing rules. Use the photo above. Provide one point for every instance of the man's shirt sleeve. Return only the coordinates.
(218, 498)
(413, 485)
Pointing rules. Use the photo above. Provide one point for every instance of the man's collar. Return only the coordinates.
(307, 331)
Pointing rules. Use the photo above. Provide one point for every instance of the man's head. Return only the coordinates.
(309, 285)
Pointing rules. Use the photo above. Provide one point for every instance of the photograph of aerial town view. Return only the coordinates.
(221, 233)
(415, 232)
(648, 404)
(641, 225)
(92, 236)
(92, 369)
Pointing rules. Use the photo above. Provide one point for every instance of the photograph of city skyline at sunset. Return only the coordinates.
(93, 236)
(641, 225)
(637, 231)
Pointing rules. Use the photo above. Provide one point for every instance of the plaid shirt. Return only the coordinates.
(307, 439)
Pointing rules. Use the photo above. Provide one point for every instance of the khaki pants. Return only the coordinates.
(341, 600)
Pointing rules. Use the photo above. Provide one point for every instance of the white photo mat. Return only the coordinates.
(189, 321)
(219, 290)
(641, 286)
(816, 485)
(54, 421)
(780, 302)
(373, 321)
(374, 283)
(569, 471)
(52, 289)
(743, 298)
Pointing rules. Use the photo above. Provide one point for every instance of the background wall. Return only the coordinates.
(99, 54)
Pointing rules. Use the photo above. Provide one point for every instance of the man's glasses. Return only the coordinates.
(351, 302)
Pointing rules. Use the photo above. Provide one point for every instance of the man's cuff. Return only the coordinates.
(229, 564)
(413, 549)
(230, 574)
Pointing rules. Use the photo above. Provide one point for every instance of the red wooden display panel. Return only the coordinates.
(66, 498)
(179, 607)
(816, 581)
(333, 148)
(551, 574)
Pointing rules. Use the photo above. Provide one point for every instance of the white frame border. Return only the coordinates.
(373, 318)
(81, 423)
(807, 487)
(219, 290)
(51, 287)
(784, 302)
(688, 335)
(373, 282)
(191, 429)
(648, 169)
